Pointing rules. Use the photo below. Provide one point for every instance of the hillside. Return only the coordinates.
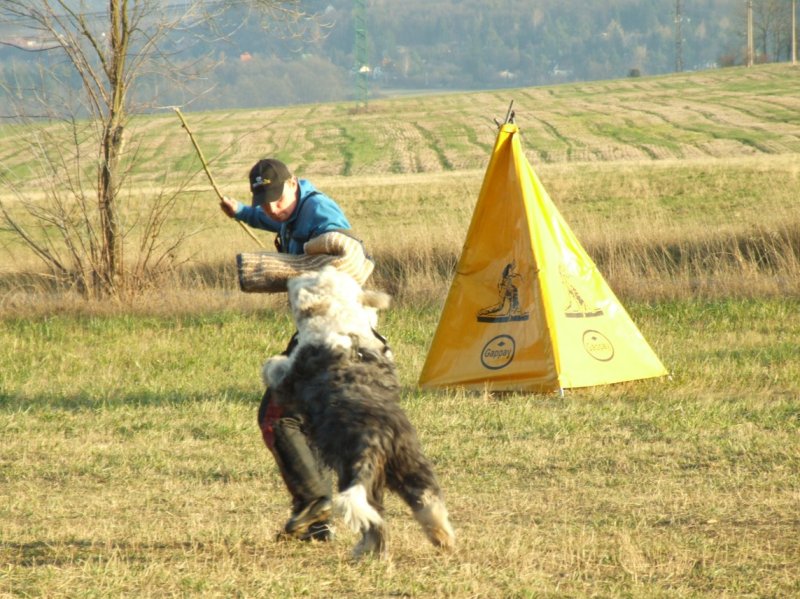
(676, 179)
(724, 113)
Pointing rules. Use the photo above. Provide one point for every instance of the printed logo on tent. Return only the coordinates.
(507, 309)
(498, 352)
(576, 305)
(598, 345)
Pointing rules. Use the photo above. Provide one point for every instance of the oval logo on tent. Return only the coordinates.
(498, 353)
(598, 346)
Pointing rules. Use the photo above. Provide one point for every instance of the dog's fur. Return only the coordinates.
(342, 379)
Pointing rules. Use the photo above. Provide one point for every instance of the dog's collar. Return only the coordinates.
(357, 353)
(382, 339)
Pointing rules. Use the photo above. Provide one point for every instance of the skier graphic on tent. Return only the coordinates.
(508, 308)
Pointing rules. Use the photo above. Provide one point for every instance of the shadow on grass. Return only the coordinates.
(85, 401)
(79, 402)
(137, 399)
(67, 552)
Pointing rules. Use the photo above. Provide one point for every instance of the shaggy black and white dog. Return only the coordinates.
(342, 379)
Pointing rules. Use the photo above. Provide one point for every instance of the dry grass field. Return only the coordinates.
(131, 465)
(654, 174)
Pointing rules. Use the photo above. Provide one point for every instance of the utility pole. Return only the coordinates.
(361, 54)
(794, 32)
(678, 36)
(749, 59)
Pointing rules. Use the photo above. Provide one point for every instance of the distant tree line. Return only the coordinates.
(456, 44)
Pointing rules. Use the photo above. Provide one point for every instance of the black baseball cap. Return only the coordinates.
(266, 180)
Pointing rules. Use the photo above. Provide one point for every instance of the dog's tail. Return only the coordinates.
(435, 521)
(356, 511)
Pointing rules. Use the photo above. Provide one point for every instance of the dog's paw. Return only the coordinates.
(275, 370)
(371, 544)
(435, 521)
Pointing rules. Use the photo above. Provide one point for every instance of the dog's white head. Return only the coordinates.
(329, 307)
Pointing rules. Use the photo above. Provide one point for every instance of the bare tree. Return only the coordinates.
(772, 29)
(76, 133)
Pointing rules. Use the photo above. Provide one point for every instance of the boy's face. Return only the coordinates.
(282, 208)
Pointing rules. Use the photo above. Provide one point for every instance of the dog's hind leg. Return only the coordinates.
(356, 511)
(361, 517)
(422, 494)
(434, 519)
(372, 542)
(359, 504)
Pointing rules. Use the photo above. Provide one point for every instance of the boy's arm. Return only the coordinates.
(255, 217)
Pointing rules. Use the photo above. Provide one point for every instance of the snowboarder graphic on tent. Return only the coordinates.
(508, 308)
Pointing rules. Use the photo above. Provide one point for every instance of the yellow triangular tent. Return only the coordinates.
(528, 309)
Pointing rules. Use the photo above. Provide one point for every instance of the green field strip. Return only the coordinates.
(562, 139)
(669, 134)
(302, 164)
(761, 111)
(433, 144)
(477, 146)
(602, 125)
(755, 138)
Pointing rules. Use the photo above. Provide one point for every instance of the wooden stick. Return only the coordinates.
(208, 172)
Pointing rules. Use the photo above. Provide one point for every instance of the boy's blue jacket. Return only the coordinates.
(315, 214)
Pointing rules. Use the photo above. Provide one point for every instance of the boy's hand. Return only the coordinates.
(228, 205)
